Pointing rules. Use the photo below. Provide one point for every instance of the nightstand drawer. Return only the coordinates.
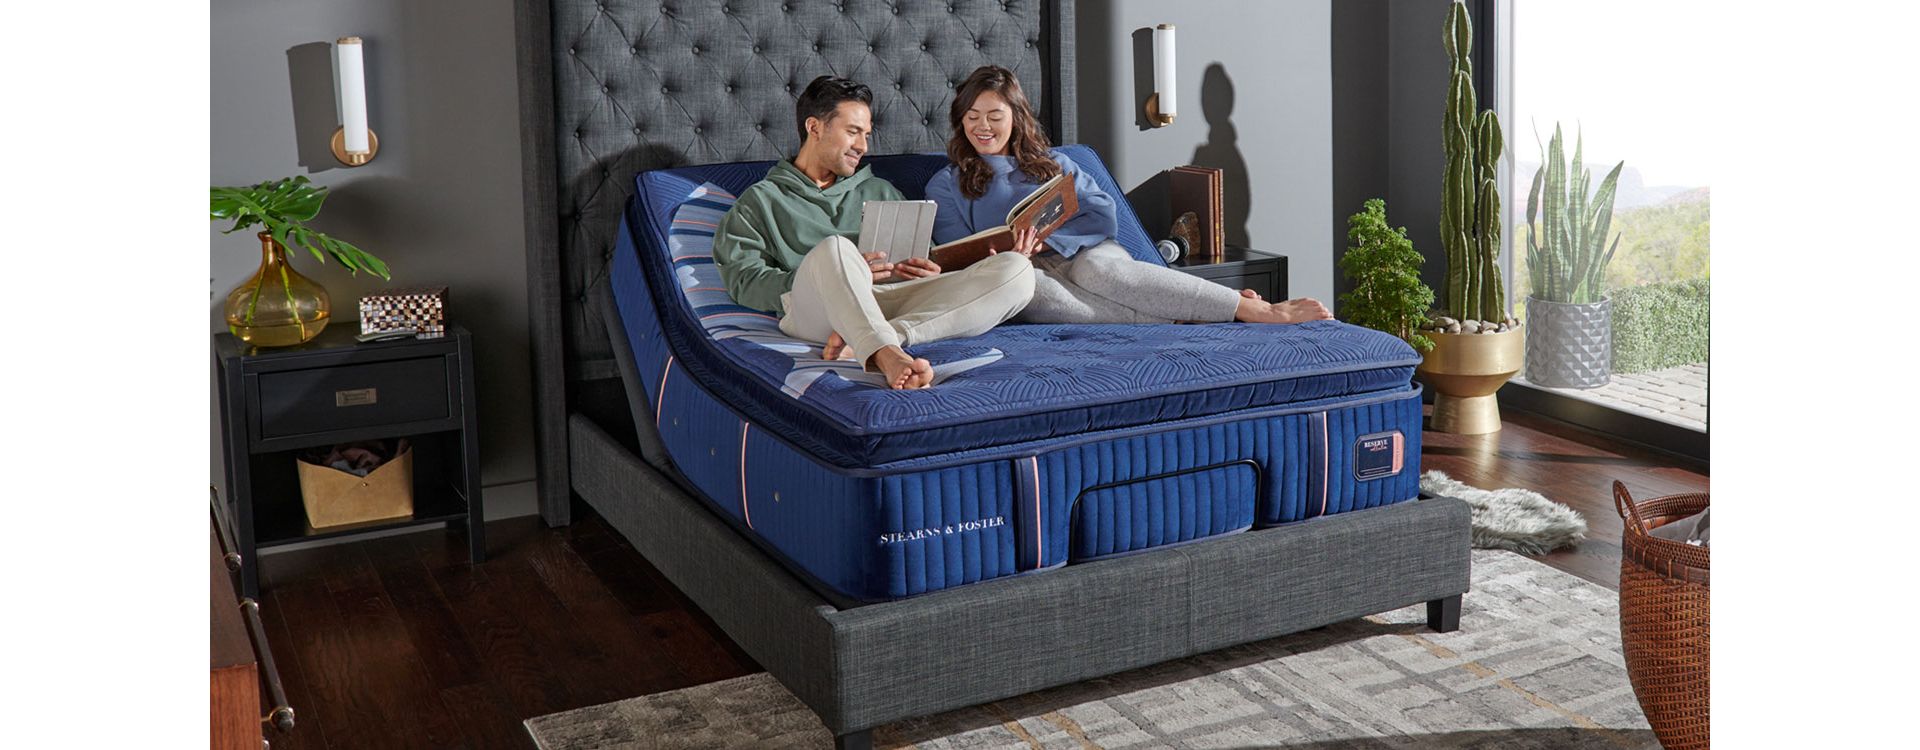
(300, 402)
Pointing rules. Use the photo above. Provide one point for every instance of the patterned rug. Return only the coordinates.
(1536, 664)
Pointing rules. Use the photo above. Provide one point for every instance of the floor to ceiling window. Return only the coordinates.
(1616, 302)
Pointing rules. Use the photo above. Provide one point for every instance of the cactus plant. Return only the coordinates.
(1567, 255)
(1470, 198)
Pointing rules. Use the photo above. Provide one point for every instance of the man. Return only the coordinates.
(788, 247)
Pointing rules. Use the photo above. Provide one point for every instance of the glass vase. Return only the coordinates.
(278, 306)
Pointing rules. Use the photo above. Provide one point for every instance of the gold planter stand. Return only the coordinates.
(1464, 370)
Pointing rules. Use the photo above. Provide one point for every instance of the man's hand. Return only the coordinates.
(916, 268)
(882, 270)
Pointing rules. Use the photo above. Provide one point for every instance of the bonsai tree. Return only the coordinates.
(281, 209)
(1564, 255)
(1470, 197)
(1385, 270)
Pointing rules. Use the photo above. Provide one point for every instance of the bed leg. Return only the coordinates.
(861, 740)
(1443, 615)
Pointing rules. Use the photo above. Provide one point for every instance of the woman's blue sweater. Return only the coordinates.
(959, 216)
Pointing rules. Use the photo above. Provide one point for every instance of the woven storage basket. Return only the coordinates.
(1664, 620)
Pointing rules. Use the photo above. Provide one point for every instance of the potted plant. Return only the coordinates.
(1477, 347)
(1385, 270)
(278, 306)
(1569, 316)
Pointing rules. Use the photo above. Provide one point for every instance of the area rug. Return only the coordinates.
(1514, 519)
(1535, 665)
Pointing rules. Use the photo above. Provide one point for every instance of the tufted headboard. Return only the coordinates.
(612, 88)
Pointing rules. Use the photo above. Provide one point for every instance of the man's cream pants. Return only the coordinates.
(833, 290)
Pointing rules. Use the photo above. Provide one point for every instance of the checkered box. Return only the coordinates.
(422, 309)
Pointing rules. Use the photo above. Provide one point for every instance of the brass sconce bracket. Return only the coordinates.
(354, 159)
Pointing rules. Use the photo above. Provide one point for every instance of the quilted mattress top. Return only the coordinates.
(1016, 389)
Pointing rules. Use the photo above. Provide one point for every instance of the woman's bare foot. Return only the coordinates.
(903, 371)
(1291, 311)
(836, 348)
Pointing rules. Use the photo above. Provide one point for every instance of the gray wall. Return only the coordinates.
(1417, 100)
(1255, 85)
(441, 203)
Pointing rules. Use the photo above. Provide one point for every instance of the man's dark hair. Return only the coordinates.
(823, 96)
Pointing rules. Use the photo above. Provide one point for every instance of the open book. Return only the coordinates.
(1045, 209)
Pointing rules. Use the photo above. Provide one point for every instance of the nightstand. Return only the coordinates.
(276, 403)
(1242, 268)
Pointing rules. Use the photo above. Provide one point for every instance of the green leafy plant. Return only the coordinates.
(1385, 270)
(281, 208)
(1470, 197)
(1567, 255)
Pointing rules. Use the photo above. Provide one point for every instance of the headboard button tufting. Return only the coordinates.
(784, 8)
(897, 85)
(572, 51)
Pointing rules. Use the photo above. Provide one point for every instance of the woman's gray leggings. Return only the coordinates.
(1104, 284)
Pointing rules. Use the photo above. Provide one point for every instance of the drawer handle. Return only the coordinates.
(281, 717)
(232, 558)
(356, 397)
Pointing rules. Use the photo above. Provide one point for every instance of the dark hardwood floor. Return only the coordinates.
(397, 642)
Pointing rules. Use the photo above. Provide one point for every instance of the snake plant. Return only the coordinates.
(1470, 196)
(1567, 254)
(280, 208)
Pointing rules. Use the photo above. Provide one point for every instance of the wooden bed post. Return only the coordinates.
(1443, 615)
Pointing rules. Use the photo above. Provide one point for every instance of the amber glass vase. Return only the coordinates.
(278, 306)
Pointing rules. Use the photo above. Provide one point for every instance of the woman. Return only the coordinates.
(1082, 275)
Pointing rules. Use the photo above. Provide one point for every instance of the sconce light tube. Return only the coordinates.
(1165, 74)
(350, 92)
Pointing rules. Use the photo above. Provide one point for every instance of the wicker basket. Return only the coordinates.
(1664, 621)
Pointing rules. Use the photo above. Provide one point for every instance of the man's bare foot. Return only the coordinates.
(1291, 311)
(903, 371)
(836, 348)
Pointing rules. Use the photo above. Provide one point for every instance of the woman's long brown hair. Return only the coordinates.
(1026, 142)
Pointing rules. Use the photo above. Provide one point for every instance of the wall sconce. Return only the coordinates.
(1162, 104)
(354, 143)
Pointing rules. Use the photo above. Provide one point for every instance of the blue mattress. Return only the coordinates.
(1039, 445)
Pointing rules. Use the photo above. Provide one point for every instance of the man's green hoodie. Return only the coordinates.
(760, 241)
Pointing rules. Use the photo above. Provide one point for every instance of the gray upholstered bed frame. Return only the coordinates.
(610, 88)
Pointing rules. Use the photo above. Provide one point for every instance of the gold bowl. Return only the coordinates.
(1464, 370)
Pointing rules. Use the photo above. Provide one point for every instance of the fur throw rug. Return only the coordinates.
(1520, 520)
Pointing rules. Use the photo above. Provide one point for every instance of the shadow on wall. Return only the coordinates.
(1222, 150)
(310, 83)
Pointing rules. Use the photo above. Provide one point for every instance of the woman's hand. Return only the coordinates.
(1027, 242)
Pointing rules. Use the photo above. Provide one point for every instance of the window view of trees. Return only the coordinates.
(1624, 83)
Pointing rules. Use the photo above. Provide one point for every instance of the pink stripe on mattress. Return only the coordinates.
(744, 510)
(752, 314)
(1326, 450)
(662, 403)
(1039, 539)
